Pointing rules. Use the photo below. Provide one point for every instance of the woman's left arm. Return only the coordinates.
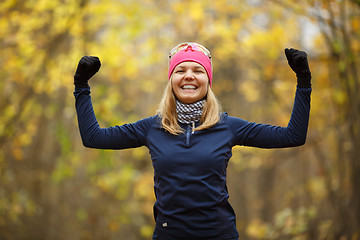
(268, 136)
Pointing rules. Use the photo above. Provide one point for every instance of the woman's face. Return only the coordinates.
(189, 82)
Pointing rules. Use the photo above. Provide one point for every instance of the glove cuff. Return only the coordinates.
(304, 79)
(79, 82)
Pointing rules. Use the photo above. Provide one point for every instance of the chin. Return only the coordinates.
(189, 100)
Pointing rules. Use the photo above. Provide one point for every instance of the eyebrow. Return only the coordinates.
(194, 67)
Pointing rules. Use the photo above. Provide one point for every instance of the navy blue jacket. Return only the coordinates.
(190, 169)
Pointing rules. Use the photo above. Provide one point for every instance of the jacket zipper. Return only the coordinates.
(189, 131)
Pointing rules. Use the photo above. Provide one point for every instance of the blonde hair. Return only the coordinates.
(169, 120)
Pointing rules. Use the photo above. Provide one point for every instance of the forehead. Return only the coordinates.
(189, 64)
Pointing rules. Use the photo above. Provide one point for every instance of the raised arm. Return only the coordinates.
(118, 137)
(268, 136)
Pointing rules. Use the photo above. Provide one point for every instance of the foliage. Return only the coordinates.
(51, 187)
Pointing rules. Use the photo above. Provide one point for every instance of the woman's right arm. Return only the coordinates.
(118, 137)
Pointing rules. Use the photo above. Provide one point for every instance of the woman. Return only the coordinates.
(190, 141)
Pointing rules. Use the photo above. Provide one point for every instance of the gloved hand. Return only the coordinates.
(299, 64)
(87, 67)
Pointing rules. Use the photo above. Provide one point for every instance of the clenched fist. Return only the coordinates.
(299, 64)
(87, 67)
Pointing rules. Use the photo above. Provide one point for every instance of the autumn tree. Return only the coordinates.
(51, 187)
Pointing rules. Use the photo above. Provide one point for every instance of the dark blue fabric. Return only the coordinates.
(190, 169)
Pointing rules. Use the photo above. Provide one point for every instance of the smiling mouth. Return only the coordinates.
(188, 87)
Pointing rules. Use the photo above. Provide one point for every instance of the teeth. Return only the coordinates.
(188, 87)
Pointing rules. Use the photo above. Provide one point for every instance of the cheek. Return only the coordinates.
(206, 87)
(205, 91)
(205, 82)
(174, 85)
(174, 80)
(204, 79)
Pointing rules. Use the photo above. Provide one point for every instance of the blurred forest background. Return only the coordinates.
(51, 187)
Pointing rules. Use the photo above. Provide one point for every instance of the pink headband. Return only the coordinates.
(189, 54)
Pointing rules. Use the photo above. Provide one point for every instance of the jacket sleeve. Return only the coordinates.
(268, 136)
(118, 137)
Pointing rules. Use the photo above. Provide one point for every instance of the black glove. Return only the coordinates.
(86, 68)
(299, 64)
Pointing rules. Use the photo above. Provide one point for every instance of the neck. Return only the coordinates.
(189, 112)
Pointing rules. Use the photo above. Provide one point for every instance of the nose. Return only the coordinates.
(189, 75)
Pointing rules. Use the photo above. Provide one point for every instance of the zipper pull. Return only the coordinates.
(188, 135)
(193, 127)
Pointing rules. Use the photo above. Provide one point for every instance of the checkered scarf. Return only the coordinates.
(188, 113)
